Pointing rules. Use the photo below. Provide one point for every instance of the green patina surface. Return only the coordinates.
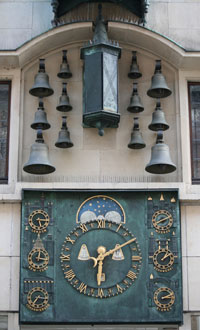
(67, 303)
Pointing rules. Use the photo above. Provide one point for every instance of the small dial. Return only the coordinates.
(38, 259)
(162, 221)
(163, 260)
(164, 299)
(38, 220)
(37, 299)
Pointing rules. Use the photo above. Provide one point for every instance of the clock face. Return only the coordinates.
(38, 220)
(100, 258)
(163, 260)
(162, 221)
(38, 259)
(37, 299)
(164, 298)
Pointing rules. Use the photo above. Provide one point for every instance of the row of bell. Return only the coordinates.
(39, 163)
(41, 86)
(160, 162)
(159, 88)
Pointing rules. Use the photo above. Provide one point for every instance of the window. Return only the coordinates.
(5, 88)
(194, 106)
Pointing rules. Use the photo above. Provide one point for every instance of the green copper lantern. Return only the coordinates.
(100, 85)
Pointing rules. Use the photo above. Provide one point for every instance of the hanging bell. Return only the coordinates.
(40, 121)
(158, 119)
(134, 72)
(159, 88)
(160, 162)
(64, 136)
(38, 162)
(64, 104)
(65, 72)
(137, 141)
(41, 87)
(135, 102)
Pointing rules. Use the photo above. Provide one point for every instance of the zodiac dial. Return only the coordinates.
(100, 258)
(37, 299)
(164, 298)
(38, 220)
(162, 221)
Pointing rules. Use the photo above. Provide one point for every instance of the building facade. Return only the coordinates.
(161, 30)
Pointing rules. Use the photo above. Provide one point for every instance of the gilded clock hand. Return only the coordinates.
(38, 257)
(168, 296)
(166, 255)
(163, 219)
(38, 297)
(101, 250)
(117, 248)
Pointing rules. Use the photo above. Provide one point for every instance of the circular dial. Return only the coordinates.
(100, 258)
(163, 260)
(38, 259)
(162, 221)
(37, 299)
(38, 220)
(164, 299)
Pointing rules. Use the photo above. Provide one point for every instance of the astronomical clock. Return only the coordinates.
(100, 257)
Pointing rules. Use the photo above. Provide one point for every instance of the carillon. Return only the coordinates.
(135, 105)
(159, 88)
(41, 87)
(40, 121)
(64, 104)
(134, 72)
(64, 72)
(38, 162)
(64, 136)
(160, 162)
(137, 141)
(158, 119)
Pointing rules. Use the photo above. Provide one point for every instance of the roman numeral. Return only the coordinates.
(100, 293)
(101, 223)
(119, 289)
(70, 275)
(82, 288)
(83, 228)
(64, 257)
(131, 275)
(68, 239)
(136, 258)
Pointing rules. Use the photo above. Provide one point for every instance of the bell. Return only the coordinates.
(160, 162)
(159, 88)
(135, 102)
(134, 72)
(41, 87)
(38, 162)
(64, 104)
(64, 136)
(158, 119)
(40, 121)
(136, 137)
(65, 72)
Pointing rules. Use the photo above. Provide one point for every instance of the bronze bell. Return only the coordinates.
(41, 87)
(158, 119)
(64, 136)
(134, 72)
(160, 162)
(135, 102)
(159, 88)
(38, 162)
(137, 141)
(65, 72)
(64, 104)
(40, 121)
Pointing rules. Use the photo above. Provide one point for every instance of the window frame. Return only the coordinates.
(4, 180)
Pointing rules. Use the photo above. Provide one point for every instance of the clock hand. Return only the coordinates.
(36, 299)
(117, 248)
(38, 257)
(163, 219)
(168, 296)
(165, 256)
